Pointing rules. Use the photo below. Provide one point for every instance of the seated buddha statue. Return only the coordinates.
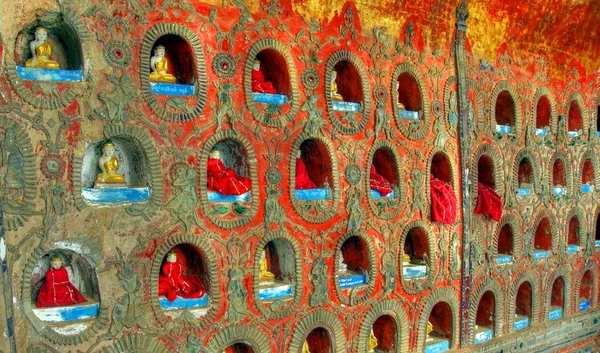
(224, 180)
(343, 266)
(266, 276)
(109, 165)
(303, 181)
(429, 327)
(399, 105)
(57, 290)
(259, 84)
(334, 93)
(173, 282)
(41, 51)
(305, 348)
(160, 67)
(405, 258)
(372, 342)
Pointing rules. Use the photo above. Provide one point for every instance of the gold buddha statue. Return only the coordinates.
(399, 105)
(41, 51)
(405, 257)
(160, 66)
(429, 327)
(265, 275)
(372, 342)
(305, 347)
(109, 165)
(334, 93)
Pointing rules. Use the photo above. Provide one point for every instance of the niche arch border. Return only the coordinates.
(583, 230)
(417, 285)
(41, 328)
(588, 154)
(335, 174)
(496, 157)
(513, 220)
(333, 59)
(319, 318)
(555, 228)
(565, 273)
(249, 335)
(148, 148)
(453, 174)
(152, 35)
(488, 284)
(447, 296)
(296, 284)
(253, 170)
(353, 299)
(527, 275)
(539, 93)
(396, 310)
(578, 97)
(274, 44)
(537, 174)
(413, 130)
(501, 86)
(202, 244)
(399, 172)
(567, 171)
(593, 267)
(137, 342)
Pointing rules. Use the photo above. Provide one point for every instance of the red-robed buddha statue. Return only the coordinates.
(259, 84)
(224, 180)
(379, 182)
(488, 202)
(57, 290)
(172, 282)
(443, 201)
(303, 181)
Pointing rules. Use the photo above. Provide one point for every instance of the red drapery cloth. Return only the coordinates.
(260, 85)
(443, 202)
(172, 283)
(379, 183)
(302, 179)
(224, 180)
(488, 202)
(58, 291)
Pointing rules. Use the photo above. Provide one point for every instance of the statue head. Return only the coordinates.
(256, 65)
(333, 75)
(159, 51)
(215, 154)
(108, 148)
(171, 256)
(56, 262)
(41, 34)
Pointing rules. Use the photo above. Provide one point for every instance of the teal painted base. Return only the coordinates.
(408, 114)
(521, 322)
(377, 195)
(587, 188)
(483, 334)
(217, 197)
(268, 98)
(584, 304)
(31, 74)
(436, 345)
(351, 279)
(171, 89)
(541, 254)
(181, 303)
(503, 259)
(541, 132)
(559, 191)
(311, 194)
(274, 291)
(345, 106)
(572, 248)
(107, 196)
(67, 313)
(504, 129)
(413, 271)
(555, 314)
(525, 192)
(572, 133)
(597, 243)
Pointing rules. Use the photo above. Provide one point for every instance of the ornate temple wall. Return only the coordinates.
(306, 201)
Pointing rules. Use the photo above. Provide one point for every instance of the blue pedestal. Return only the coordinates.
(181, 303)
(408, 114)
(124, 195)
(483, 334)
(345, 106)
(67, 313)
(311, 194)
(541, 254)
(413, 271)
(541, 132)
(377, 195)
(31, 74)
(584, 304)
(436, 346)
(598, 133)
(171, 89)
(351, 279)
(503, 259)
(572, 133)
(521, 322)
(572, 248)
(597, 243)
(274, 291)
(268, 98)
(524, 192)
(217, 197)
(555, 313)
(504, 129)
(587, 188)
(558, 191)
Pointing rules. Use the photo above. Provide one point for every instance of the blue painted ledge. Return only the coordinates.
(572, 248)
(555, 313)
(377, 195)
(345, 106)
(598, 133)
(351, 279)
(311, 194)
(587, 188)
(274, 291)
(214, 196)
(541, 254)
(67, 313)
(413, 271)
(541, 132)
(180, 303)
(437, 345)
(524, 192)
(584, 304)
(572, 133)
(597, 243)
(521, 322)
(504, 129)
(123, 195)
(558, 191)
(483, 334)
(408, 114)
(171, 89)
(503, 259)
(268, 98)
(32, 74)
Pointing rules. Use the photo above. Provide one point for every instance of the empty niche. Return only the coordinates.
(126, 175)
(57, 49)
(183, 282)
(354, 263)
(598, 121)
(172, 67)
(575, 120)
(443, 199)
(270, 78)
(587, 176)
(318, 341)
(585, 291)
(277, 270)
(573, 236)
(410, 103)
(542, 242)
(543, 112)
(383, 335)
(505, 113)
(484, 320)
(383, 177)
(228, 175)
(558, 178)
(346, 87)
(415, 258)
(239, 348)
(488, 201)
(505, 244)
(64, 291)
(523, 306)
(439, 329)
(313, 171)
(557, 299)
(525, 178)
(597, 231)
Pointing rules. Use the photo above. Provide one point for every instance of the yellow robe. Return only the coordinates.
(43, 53)
(334, 93)
(112, 177)
(372, 341)
(265, 275)
(161, 74)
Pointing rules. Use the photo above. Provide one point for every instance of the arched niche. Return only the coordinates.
(523, 306)
(543, 239)
(558, 177)
(180, 59)
(560, 181)
(485, 171)
(384, 178)
(384, 331)
(596, 221)
(525, 177)
(485, 317)
(319, 341)
(234, 156)
(410, 101)
(319, 329)
(355, 268)
(314, 174)
(415, 250)
(544, 112)
(506, 244)
(588, 178)
(575, 230)
(275, 70)
(575, 124)
(409, 104)
(244, 338)
(441, 183)
(505, 112)
(239, 348)
(557, 299)
(441, 320)
(387, 322)
(347, 81)
(488, 202)
(586, 291)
